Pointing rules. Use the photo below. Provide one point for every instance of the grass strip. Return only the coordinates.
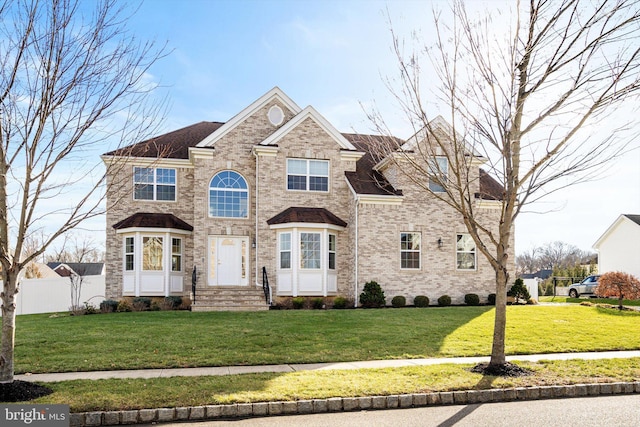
(118, 394)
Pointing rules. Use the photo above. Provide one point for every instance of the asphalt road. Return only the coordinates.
(609, 411)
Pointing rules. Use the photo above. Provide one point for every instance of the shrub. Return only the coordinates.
(519, 291)
(124, 306)
(472, 299)
(174, 301)
(421, 301)
(141, 303)
(491, 299)
(155, 305)
(339, 302)
(108, 306)
(398, 301)
(372, 295)
(317, 303)
(298, 303)
(444, 301)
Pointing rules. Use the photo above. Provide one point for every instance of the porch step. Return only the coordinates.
(230, 298)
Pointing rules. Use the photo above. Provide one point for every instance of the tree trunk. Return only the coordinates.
(500, 321)
(10, 289)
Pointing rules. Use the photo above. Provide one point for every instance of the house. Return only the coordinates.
(277, 196)
(618, 247)
(66, 269)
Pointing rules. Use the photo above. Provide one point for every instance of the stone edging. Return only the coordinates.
(339, 404)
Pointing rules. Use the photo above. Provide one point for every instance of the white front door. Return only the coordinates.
(228, 261)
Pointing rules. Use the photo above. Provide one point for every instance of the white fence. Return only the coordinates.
(52, 295)
(532, 287)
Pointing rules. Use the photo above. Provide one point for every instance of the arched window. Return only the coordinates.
(228, 195)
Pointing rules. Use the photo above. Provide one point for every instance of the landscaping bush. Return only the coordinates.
(317, 303)
(398, 301)
(519, 291)
(89, 308)
(124, 306)
(108, 306)
(491, 299)
(421, 301)
(472, 299)
(297, 303)
(173, 302)
(372, 295)
(444, 301)
(340, 302)
(141, 304)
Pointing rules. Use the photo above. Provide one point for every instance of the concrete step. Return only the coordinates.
(229, 298)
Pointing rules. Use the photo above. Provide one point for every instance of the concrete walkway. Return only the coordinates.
(234, 370)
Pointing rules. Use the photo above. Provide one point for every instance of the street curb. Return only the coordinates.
(342, 404)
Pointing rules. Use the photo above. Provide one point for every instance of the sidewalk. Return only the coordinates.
(235, 370)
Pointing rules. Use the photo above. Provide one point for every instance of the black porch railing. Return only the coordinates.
(265, 286)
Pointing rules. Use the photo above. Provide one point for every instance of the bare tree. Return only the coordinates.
(72, 80)
(528, 261)
(525, 93)
(76, 249)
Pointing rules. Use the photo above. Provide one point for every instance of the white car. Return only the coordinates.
(586, 287)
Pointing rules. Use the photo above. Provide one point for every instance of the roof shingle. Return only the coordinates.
(153, 220)
(308, 215)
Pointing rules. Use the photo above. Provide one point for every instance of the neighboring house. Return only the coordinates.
(619, 248)
(540, 275)
(66, 269)
(278, 194)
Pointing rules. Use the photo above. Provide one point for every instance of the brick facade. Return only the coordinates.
(367, 248)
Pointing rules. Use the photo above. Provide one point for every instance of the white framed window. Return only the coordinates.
(176, 254)
(285, 251)
(228, 195)
(439, 174)
(308, 175)
(410, 250)
(152, 253)
(465, 252)
(332, 251)
(129, 251)
(154, 184)
(310, 251)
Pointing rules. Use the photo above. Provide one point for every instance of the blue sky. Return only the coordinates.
(335, 56)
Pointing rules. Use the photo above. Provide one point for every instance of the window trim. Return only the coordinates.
(333, 252)
(281, 250)
(176, 254)
(131, 254)
(238, 190)
(474, 252)
(154, 184)
(418, 251)
(438, 170)
(308, 175)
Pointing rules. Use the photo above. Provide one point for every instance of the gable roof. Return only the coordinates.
(624, 217)
(65, 269)
(309, 113)
(306, 215)
(153, 220)
(173, 145)
(437, 124)
(274, 94)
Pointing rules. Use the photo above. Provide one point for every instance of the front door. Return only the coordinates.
(228, 261)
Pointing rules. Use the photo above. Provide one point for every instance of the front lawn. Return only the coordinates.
(64, 343)
(611, 301)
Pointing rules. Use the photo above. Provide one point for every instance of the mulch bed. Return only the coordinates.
(506, 370)
(19, 391)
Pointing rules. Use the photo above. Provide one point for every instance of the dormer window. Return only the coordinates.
(307, 175)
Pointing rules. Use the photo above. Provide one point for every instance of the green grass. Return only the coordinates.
(104, 395)
(185, 339)
(612, 301)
